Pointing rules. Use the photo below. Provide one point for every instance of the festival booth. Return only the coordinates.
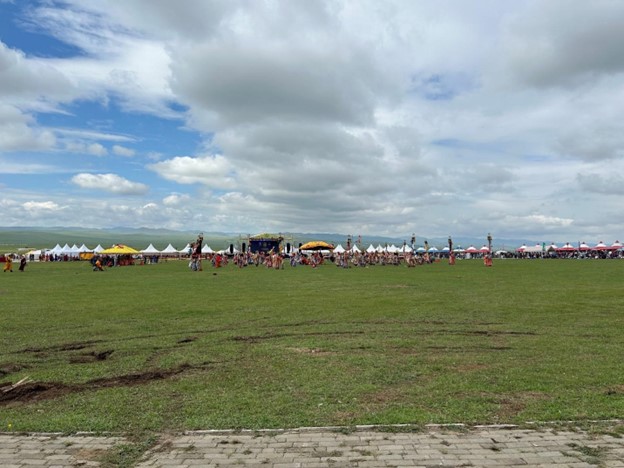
(470, 251)
(120, 254)
(170, 251)
(84, 253)
(317, 246)
(150, 254)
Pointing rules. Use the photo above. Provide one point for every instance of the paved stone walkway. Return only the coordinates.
(434, 447)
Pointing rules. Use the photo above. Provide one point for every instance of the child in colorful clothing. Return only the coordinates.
(8, 263)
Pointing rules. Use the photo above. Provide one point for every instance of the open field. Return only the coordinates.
(158, 347)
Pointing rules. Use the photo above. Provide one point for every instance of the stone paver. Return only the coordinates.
(475, 447)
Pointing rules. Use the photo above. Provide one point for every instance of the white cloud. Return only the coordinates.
(212, 171)
(123, 151)
(97, 149)
(18, 132)
(176, 199)
(34, 206)
(109, 183)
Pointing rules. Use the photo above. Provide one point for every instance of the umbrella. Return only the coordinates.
(119, 249)
(316, 245)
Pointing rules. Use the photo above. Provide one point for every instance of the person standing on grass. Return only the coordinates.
(197, 253)
(22, 263)
(8, 263)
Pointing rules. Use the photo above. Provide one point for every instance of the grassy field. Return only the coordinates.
(158, 347)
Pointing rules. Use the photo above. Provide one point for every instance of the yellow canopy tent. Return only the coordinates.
(316, 245)
(119, 249)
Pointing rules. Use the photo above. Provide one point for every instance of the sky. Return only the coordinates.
(368, 117)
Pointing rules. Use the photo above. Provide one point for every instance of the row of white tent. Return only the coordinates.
(75, 251)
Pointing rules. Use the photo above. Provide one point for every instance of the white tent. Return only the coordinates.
(392, 249)
(185, 249)
(371, 249)
(406, 249)
(355, 249)
(433, 250)
(57, 250)
(207, 250)
(339, 249)
(98, 249)
(380, 248)
(150, 250)
(70, 251)
(170, 250)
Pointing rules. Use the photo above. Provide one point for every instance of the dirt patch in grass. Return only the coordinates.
(37, 391)
(74, 346)
(7, 369)
(91, 357)
(472, 367)
(189, 339)
(613, 390)
(512, 405)
(312, 351)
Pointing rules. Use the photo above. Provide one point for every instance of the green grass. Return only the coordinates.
(257, 348)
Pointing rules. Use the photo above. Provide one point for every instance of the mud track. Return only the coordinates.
(39, 391)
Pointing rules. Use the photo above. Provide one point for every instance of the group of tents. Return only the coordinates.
(83, 252)
(393, 249)
(569, 248)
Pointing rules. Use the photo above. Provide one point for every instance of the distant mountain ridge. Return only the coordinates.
(47, 237)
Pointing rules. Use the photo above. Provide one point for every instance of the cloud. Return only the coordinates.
(34, 206)
(596, 143)
(176, 199)
(612, 184)
(562, 43)
(18, 132)
(23, 80)
(212, 171)
(123, 151)
(109, 183)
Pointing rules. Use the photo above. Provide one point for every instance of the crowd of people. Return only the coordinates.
(274, 260)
